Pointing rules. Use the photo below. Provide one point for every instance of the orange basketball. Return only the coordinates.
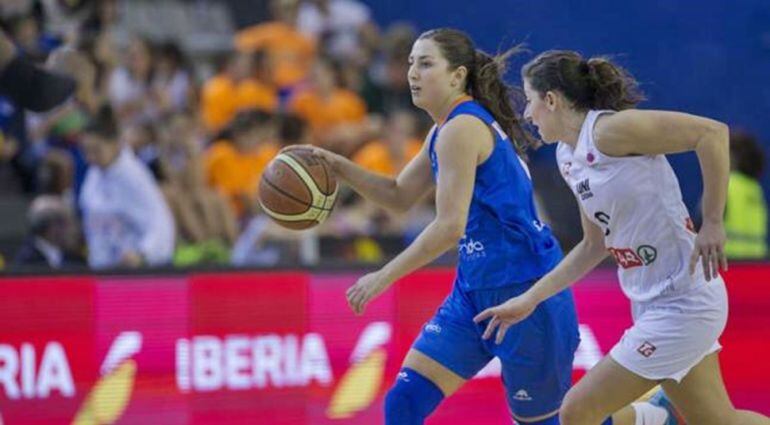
(297, 189)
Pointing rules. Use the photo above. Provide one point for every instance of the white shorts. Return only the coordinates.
(670, 336)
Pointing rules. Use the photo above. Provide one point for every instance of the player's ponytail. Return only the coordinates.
(486, 85)
(484, 81)
(596, 83)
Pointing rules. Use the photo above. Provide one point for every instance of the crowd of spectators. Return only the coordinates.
(156, 158)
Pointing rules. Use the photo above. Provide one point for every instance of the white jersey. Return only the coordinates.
(637, 202)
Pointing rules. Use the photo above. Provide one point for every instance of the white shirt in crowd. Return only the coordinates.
(344, 20)
(53, 255)
(124, 211)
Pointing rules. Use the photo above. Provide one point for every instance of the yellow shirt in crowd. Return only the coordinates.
(236, 174)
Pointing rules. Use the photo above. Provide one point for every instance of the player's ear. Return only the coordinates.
(459, 75)
(552, 99)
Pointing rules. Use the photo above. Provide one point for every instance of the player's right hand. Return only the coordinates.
(330, 157)
(506, 315)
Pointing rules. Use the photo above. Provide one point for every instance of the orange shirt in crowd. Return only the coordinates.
(236, 174)
(342, 107)
(377, 157)
(290, 53)
(222, 98)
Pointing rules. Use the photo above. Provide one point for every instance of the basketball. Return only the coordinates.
(297, 189)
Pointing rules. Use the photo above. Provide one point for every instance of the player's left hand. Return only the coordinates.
(709, 247)
(506, 315)
(365, 289)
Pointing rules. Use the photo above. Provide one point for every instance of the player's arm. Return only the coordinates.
(586, 255)
(396, 194)
(636, 132)
(583, 258)
(458, 151)
(457, 159)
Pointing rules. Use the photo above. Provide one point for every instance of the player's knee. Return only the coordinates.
(707, 416)
(573, 411)
(411, 399)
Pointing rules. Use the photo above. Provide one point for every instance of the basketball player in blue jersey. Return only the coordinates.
(484, 207)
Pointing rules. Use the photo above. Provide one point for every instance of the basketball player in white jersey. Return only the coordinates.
(612, 157)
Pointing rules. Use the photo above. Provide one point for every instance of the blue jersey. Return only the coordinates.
(504, 243)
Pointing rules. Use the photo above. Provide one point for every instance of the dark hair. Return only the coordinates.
(746, 155)
(484, 80)
(103, 124)
(171, 51)
(247, 120)
(596, 83)
(291, 128)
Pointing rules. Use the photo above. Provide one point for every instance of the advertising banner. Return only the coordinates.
(282, 347)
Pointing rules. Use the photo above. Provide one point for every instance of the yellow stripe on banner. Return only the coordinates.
(359, 387)
(109, 397)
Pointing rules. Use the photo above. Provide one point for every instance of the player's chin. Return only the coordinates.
(546, 138)
(547, 141)
(417, 100)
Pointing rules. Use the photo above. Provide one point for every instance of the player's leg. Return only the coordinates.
(536, 357)
(606, 389)
(446, 354)
(702, 399)
(420, 387)
(654, 408)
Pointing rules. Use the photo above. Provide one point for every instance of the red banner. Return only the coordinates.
(280, 347)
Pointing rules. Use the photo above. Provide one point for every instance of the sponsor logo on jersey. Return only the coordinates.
(433, 328)
(566, 167)
(583, 190)
(628, 258)
(522, 395)
(646, 349)
(470, 248)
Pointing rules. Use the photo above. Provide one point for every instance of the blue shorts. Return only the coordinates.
(536, 354)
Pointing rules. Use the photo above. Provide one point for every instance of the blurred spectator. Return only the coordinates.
(25, 31)
(293, 130)
(206, 227)
(746, 211)
(142, 138)
(125, 218)
(290, 53)
(16, 147)
(386, 87)
(129, 84)
(398, 145)
(52, 236)
(171, 82)
(337, 116)
(101, 51)
(342, 27)
(103, 16)
(234, 89)
(234, 166)
(61, 128)
(55, 175)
